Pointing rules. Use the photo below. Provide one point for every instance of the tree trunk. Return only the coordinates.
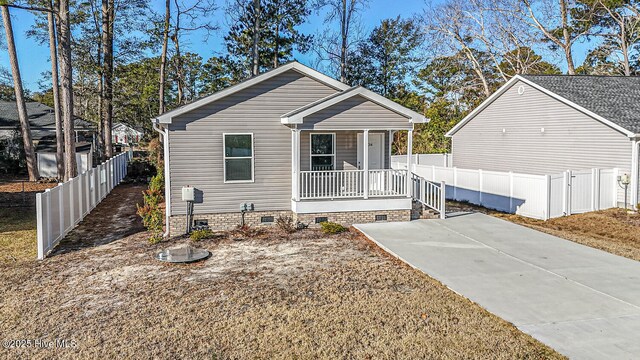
(343, 46)
(568, 42)
(55, 87)
(275, 46)
(179, 69)
(256, 38)
(107, 72)
(163, 56)
(66, 77)
(25, 129)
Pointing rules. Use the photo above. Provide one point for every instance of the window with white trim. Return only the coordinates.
(323, 152)
(238, 157)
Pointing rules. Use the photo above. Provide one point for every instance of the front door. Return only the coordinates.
(376, 151)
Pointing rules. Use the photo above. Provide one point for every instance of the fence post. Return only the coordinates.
(547, 214)
(594, 189)
(40, 226)
(443, 200)
(566, 178)
(616, 171)
(72, 208)
(511, 192)
(480, 183)
(433, 173)
(61, 209)
(455, 183)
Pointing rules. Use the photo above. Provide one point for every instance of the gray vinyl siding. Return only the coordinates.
(571, 139)
(196, 153)
(346, 149)
(356, 113)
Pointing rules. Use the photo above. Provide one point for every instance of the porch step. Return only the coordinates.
(419, 211)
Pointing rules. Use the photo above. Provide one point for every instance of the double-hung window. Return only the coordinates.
(323, 152)
(238, 157)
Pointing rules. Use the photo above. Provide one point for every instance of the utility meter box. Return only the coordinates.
(188, 194)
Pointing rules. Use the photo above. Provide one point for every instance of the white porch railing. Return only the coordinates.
(430, 194)
(336, 184)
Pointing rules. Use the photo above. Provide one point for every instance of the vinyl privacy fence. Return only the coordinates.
(425, 159)
(61, 208)
(535, 196)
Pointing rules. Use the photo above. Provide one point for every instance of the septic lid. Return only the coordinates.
(182, 254)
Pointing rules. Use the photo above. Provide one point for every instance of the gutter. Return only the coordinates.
(167, 181)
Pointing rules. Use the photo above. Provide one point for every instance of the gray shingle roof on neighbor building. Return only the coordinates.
(615, 98)
(40, 116)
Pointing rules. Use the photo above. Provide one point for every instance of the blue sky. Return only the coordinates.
(34, 57)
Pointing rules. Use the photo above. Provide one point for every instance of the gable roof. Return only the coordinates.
(296, 66)
(40, 116)
(296, 116)
(612, 100)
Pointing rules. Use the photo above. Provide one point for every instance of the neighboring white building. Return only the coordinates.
(48, 165)
(547, 124)
(125, 134)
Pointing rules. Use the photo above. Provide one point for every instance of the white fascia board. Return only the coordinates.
(545, 91)
(296, 117)
(305, 70)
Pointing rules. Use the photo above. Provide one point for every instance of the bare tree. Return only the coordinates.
(23, 117)
(255, 53)
(108, 14)
(55, 88)
(553, 20)
(163, 55)
(619, 25)
(345, 13)
(451, 27)
(192, 16)
(66, 76)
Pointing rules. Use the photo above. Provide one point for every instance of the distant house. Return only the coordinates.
(46, 154)
(289, 142)
(546, 124)
(43, 134)
(124, 134)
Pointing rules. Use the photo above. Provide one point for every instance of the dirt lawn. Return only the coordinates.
(18, 219)
(612, 230)
(306, 295)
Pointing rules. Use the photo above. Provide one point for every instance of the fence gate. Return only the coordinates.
(580, 191)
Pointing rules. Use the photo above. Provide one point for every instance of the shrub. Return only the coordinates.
(329, 227)
(197, 235)
(150, 212)
(286, 224)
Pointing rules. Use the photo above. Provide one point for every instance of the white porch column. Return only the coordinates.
(409, 161)
(365, 160)
(295, 164)
(635, 173)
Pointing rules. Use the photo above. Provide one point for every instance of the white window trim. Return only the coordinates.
(311, 155)
(224, 160)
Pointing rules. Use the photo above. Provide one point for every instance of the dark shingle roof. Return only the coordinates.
(40, 116)
(615, 98)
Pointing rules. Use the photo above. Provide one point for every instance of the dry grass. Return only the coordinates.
(307, 296)
(612, 230)
(17, 234)
(261, 294)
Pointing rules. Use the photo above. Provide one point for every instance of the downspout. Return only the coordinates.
(635, 173)
(167, 180)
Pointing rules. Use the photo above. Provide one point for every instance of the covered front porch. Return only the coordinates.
(341, 153)
(345, 164)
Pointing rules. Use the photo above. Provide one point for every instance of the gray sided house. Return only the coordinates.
(291, 141)
(546, 124)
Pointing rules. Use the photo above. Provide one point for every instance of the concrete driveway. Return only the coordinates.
(583, 302)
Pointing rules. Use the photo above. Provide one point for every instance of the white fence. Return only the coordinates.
(535, 196)
(445, 160)
(351, 183)
(61, 208)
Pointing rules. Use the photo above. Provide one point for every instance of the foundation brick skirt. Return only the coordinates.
(228, 221)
